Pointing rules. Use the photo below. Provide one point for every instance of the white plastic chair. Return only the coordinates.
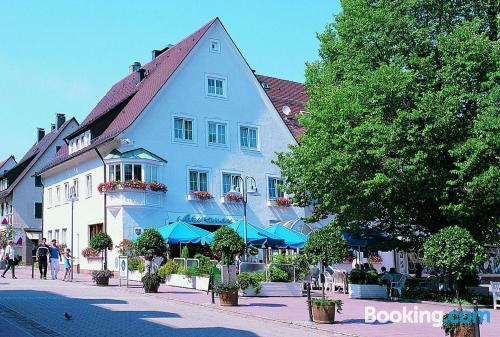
(495, 290)
(328, 281)
(398, 285)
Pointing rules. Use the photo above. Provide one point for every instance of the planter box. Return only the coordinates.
(276, 289)
(182, 281)
(135, 275)
(367, 291)
(201, 283)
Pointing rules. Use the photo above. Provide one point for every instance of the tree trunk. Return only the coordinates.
(322, 278)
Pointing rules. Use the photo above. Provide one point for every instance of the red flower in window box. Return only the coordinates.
(233, 197)
(108, 186)
(283, 202)
(157, 187)
(201, 195)
(134, 184)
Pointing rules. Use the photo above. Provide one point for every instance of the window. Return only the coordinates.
(66, 191)
(230, 182)
(214, 46)
(94, 229)
(273, 188)
(248, 137)
(58, 194)
(217, 133)
(38, 210)
(132, 172)
(216, 86)
(88, 184)
(56, 235)
(38, 181)
(58, 147)
(183, 129)
(64, 234)
(115, 172)
(79, 142)
(4, 184)
(151, 173)
(49, 235)
(75, 191)
(49, 197)
(198, 181)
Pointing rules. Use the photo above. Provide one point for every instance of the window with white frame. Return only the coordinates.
(58, 194)
(198, 180)
(49, 235)
(217, 133)
(49, 197)
(4, 184)
(151, 173)
(64, 234)
(66, 191)
(214, 46)
(88, 185)
(81, 141)
(56, 235)
(115, 172)
(249, 137)
(274, 190)
(75, 189)
(132, 172)
(216, 86)
(183, 129)
(230, 182)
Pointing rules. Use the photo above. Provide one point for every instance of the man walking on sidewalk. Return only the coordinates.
(55, 258)
(10, 258)
(42, 254)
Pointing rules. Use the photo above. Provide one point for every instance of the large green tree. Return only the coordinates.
(403, 126)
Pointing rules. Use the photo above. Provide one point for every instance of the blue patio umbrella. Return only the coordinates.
(181, 232)
(293, 239)
(256, 236)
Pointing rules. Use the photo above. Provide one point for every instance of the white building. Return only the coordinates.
(192, 118)
(21, 192)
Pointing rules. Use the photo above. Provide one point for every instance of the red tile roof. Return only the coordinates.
(286, 93)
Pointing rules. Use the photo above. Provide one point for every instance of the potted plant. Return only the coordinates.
(228, 293)
(284, 202)
(454, 250)
(149, 245)
(200, 195)
(151, 282)
(250, 283)
(233, 197)
(100, 242)
(366, 284)
(326, 246)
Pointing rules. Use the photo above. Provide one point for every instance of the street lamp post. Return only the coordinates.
(73, 198)
(244, 190)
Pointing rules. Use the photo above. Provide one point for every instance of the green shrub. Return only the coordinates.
(101, 241)
(151, 282)
(228, 244)
(205, 264)
(364, 277)
(150, 244)
(246, 280)
(224, 287)
(298, 261)
(169, 268)
(136, 263)
(185, 252)
(277, 274)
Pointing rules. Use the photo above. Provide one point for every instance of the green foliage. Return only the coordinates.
(225, 287)
(97, 274)
(170, 267)
(136, 263)
(278, 274)
(300, 263)
(151, 282)
(228, 244)
(364, 277)
(403, 122)
(101, 241)
(454, 250)
(185, 252)
(327, 246)
(246, 280)
(205, 264)
(150, 244)
(327, 302)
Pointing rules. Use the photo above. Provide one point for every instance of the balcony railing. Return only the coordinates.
(131, 197)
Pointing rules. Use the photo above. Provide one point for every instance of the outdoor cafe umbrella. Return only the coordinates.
(181, 232)
(256, 236)
(293, 239)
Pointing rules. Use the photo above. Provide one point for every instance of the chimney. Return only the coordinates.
(40, 133)
(155, 53)
(141, 73)
(134, 67)
(52, 127)
(60, 119)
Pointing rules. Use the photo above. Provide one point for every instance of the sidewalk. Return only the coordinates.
(292, 310)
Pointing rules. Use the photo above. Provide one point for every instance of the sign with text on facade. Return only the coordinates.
(203, 219)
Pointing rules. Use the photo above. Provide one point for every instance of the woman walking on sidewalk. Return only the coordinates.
(55, 258)
(67, 264)
(10, 258)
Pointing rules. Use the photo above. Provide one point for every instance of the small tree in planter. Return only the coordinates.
(454, 250)
(100, 242)
(227, 243)
(150, 245)
(326, 246)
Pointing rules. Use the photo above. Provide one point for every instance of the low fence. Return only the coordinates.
(274, 272)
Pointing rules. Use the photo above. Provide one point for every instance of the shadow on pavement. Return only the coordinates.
(90, 318)
(268, 305)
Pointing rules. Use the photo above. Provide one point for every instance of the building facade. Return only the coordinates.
(193, 119)
(21, 191)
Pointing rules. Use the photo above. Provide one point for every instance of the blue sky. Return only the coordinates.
(58, 56)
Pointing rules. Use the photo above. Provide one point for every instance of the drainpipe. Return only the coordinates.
(43, 201)
(105, 224)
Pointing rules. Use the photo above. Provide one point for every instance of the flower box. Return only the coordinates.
(232, 198)
(199, 195)
(188, 282)
(367, 291)
(135, 275)
(276, 289)
(112, 186)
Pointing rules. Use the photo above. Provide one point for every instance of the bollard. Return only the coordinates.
(477, 331)
(309, 301)
(33, 260)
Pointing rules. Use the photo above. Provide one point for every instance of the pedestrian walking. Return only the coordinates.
(67, 264)
(10, 257)
(42, 254)
(55, 258)
(2, 254)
